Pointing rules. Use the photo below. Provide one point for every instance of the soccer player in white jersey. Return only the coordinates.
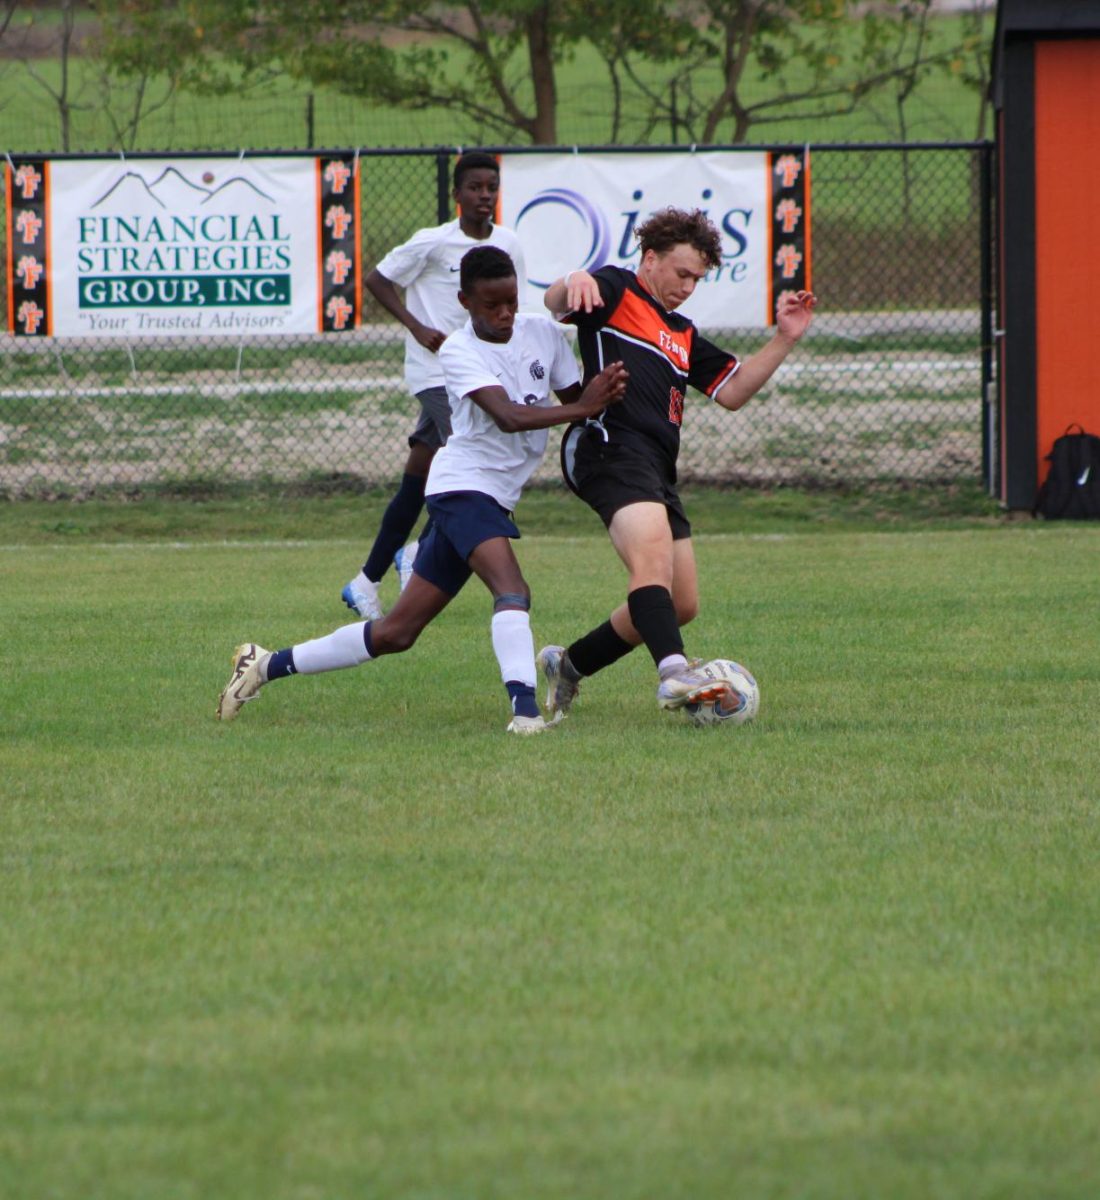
(426, 267)
(500, 370)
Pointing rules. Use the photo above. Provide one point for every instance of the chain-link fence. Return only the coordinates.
(888, 385)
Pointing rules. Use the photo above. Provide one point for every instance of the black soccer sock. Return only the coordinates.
(596, 650)
(654, 617)
(397, 523)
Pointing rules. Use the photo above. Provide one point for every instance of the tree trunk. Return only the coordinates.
(64, 108)
(737, 34)
(540, 50)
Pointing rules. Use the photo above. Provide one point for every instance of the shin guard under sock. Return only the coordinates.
(344, 647)
(597, 649)
(654, 617)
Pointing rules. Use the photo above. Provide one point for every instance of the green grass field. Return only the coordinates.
(360, 943)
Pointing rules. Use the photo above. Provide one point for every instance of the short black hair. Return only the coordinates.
(484, 262)
(474, 160)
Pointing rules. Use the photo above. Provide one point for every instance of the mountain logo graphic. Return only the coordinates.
(171, 178)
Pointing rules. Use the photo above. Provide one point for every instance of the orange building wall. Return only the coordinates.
(1067, 238)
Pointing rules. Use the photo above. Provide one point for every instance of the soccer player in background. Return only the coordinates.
(500, 369)
(623, 462)
(426, 267)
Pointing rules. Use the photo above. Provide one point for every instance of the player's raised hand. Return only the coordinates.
(794, 312)
(582, 291)
(608, 387)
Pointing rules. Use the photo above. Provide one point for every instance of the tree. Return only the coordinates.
(59, 35)
(127, 106)
(693, 66)
(972, 63)
(802, 51)
(62, 92)
(494, 61)
(7, 11)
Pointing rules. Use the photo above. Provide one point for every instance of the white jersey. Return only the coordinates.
(479, 456)
(426, 266)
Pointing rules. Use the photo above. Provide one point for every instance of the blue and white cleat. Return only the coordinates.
(691, 685)
(403, 561)
(361, 596)
(561, 691)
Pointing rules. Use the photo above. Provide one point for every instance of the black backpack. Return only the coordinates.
(1072, 487)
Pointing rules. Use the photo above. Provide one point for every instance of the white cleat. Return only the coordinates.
(528, 725)
(691, 685)
(363, 600)
(249, 662)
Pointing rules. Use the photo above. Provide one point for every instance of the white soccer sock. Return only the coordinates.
(365, 584)
(670, 664)
(514, 646)
(344, 647)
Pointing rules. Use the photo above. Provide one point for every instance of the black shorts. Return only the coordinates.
(608, 477)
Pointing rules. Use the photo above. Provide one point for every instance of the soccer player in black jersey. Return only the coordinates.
(623, 463)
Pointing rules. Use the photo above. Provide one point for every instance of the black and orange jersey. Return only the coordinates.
(662, 350)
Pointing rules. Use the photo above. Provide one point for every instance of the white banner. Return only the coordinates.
(581, 210)
(198, 246)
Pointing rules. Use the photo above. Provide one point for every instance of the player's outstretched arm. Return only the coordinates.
(603, 389)
(608, 387)
(794, 312)
(575, 290)
(385, 293)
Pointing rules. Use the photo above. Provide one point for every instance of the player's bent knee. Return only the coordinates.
(405, 639)
(687, 611)
(512, 600)
(396, 639)
(657, 573)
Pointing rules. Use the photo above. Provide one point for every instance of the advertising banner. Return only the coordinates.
(581, 210)
(160, 247)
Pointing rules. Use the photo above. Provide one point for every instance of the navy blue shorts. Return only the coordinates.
(461, 521)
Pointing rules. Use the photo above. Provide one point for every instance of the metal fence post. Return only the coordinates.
(442, 186)
(989, 424)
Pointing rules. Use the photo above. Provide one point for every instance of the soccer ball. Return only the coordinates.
(736, 706)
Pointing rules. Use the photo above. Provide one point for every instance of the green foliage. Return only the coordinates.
(710, 69)
(227, 106)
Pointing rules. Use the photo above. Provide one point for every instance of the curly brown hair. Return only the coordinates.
(674, 226)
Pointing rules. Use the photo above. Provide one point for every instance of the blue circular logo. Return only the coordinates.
(597, 234)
